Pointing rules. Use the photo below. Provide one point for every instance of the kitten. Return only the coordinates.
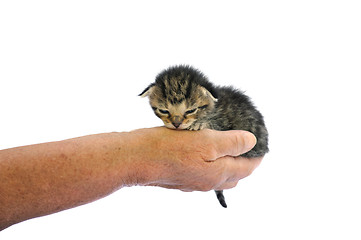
(184, 99)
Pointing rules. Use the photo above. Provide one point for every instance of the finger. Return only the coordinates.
(240, 167)
(236, 169)
(170, 186)
(233, 142)
(227, 185)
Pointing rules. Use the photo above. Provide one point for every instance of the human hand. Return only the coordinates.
(68, 173)
(194, 160)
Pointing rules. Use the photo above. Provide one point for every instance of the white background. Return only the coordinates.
(72, 68)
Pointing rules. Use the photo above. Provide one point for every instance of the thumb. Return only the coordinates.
(234, 142)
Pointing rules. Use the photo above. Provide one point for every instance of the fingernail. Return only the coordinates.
(250, 141)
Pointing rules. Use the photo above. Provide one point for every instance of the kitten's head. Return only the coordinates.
(181, 95)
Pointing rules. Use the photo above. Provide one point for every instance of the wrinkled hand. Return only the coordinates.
(197, 160)
(64, 174)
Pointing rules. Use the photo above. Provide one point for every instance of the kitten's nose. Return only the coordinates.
(177, 121)
(176, 124)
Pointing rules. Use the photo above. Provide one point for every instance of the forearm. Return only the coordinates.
(45, 178)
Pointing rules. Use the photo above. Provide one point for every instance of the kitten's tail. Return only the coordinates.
(221, 199)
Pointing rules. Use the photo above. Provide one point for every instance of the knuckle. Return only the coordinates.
(212, 154)
(238, 142)
(208, 184)
(247, 170)
(208, 152)
(230, 185)
(233, 184)
(206, 188)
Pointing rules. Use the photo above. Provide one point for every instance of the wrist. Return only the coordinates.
(143, 150)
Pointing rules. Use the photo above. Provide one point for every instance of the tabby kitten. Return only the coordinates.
(184, 99)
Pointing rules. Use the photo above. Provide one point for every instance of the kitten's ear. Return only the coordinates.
(213, 95)
(147, 91)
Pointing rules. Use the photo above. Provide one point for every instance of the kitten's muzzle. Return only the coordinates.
(177, 121)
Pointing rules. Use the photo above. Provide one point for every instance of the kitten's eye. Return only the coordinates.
(191, 111)
(203, 107)
(163, 111)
